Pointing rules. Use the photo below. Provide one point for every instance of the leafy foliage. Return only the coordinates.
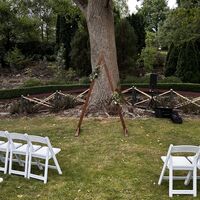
(154, 12)
(184, 61)
(15, 59)
(126, 42)
(171, 60)
(80, 53)
(137, 22)
(181, 25)
(188, 65)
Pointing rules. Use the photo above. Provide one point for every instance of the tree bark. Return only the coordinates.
(100, 22)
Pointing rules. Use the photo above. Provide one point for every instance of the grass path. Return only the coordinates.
(101, 164)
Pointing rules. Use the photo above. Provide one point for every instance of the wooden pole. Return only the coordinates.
(119, 108)
(87, 100)
(84, 109)
(100, 61)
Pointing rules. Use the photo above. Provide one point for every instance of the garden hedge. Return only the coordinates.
(14, 93)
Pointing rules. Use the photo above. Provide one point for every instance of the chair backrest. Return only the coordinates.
(17, 137)
(41, 140)
(37, 139)
(3, 134)
(185, 149)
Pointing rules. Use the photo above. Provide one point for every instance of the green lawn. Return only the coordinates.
(101, 164)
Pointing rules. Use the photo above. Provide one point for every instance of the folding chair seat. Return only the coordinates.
(4, 149)
(46, 152)
(173, 162)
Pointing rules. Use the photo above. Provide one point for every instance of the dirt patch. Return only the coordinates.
(14, 79)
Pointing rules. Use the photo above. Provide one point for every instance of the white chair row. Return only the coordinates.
(26, 148)
(173, 162)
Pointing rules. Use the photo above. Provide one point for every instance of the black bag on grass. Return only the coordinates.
(176, 118)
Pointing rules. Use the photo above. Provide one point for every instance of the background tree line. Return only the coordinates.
(154, 39)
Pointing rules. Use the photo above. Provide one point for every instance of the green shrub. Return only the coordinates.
(15, 59)
(188, 65)
(84, 80)
(66, 76)
(13, 93)
(148, 56)
(134, 79)
(126, 53)
(171, 60)
(32, 82)
(170, 79)
(175, 86)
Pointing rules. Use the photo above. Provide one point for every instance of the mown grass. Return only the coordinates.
(101, 164)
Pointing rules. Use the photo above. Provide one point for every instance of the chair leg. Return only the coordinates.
(46, 170)
(170, 182)
(26, 166)
(6, 162)
(11, 160)
(57, 165)
(188, 178)
(29, 165)
(162, 174)
(195, 182)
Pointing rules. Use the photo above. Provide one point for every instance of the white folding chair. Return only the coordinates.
(4, 149)
(19, 151)
(46, 152)
(173, 162)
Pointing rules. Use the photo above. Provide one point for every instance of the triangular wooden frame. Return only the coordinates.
(101, 62)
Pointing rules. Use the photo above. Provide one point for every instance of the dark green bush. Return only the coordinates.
(192, 87)
(184, 61)
(171, 60)
(188, 65)
(13, 93)
(170, 79)
(15, 59)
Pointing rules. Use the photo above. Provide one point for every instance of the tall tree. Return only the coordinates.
(126, 41)
(137, 22)
(188, 4)
(100, 23)
(154, 12)
(182, 24)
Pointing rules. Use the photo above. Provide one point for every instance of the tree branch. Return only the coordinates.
(82, 4)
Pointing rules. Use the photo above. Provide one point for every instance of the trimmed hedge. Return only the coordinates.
(191, 87)
(14, 93)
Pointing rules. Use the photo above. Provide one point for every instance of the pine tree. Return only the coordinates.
(171, 60)
(188, 66)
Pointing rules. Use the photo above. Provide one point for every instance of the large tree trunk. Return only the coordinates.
(100, 22)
